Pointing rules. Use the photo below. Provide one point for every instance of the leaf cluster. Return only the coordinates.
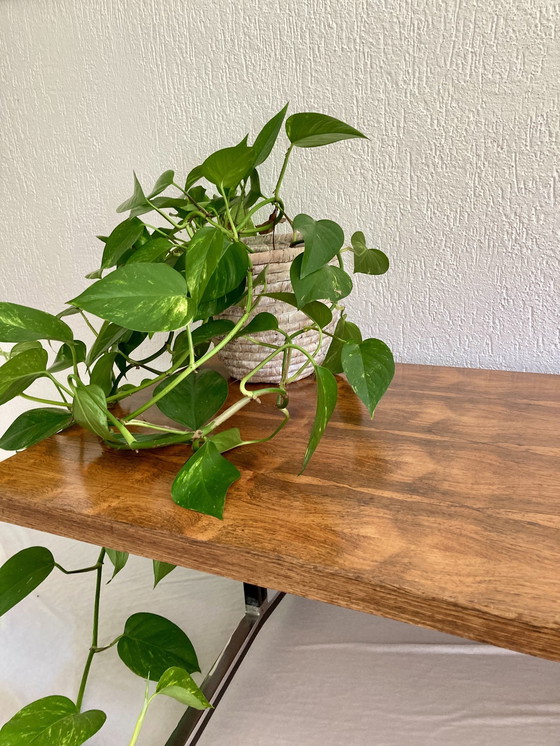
(167, 272)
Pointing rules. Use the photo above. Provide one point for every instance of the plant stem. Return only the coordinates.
(229, 216)
(94, 632)
(76, 572)
(282, 172)
(50, 402)
(141, 717)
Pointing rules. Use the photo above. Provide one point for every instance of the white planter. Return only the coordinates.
(240, 356)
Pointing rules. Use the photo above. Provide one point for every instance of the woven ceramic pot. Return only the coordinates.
(240, 356)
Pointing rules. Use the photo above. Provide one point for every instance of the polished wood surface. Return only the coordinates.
(443, 511)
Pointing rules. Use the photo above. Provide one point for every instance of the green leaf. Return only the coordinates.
(34, 425)
(310, 130)
(229, 274)
(195, 400)
(163, 181)
(102, 372)
(204, 252)
(202, 483)
(161, 570)
(138, 198)
(142, 297)
(20, 347)
(323, 240)
(317, 311)
(228, 167)
(345, 331)
(262, 322)
(118, 559)
(178, 684)
(121, 239)
(108, 335)
(23, 324)
(212, 307)
(90, 409)
(327, 393)
(267, 137)
(327, 283)
(369, 367)
(151, 644)
(19, 372)
(371, 262)
(64, 358)
(21, 574)
(193, 176)
(214, 328)
(254, 192)
(154, 250)
(227, 439)
(51, 721)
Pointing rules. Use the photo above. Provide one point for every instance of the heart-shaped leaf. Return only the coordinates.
(33, 426)
(310, 130)
(193, 176)
(227, 439)
(51, 721)
(369, 367)
(202, 483)
(142, 297)
(138, 198)
(20, 347)
(19, 372)
(64, 358)
(118, 559)
(327, 283)
(262, 322)
(23, 324)
(214, 328)
(228, 167)
(267, 137)
(327, 393)
(151, 644)
(161, 570)
(90, 409)
(154, 250)
(371, 262)
(21, 574)
(121, 239)
(323, 240)
(229, 274)
(102, 372)
(163, 181)
(345, 331)
(178, 684)
(317, 311)
(204, 252)
(195, 400)
(108, 335)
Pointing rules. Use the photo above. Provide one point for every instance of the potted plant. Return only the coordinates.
(208, 279)
(191, 283)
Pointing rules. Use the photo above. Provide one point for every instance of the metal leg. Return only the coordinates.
(257, 610)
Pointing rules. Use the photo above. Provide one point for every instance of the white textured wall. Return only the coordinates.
(459, 182)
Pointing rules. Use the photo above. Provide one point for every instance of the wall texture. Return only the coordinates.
(459, 182)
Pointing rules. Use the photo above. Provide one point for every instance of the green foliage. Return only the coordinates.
(23, 324)
(178, 684)
(369, 367)
(160, 292)
(21, 574)
(150, 644)
(118, 559)
(51, 721)
(161, 570)
(33, 426)
(202, 483)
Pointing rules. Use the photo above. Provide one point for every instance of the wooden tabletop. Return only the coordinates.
(443, 511)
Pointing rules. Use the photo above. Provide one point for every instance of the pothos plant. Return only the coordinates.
(170, 283)
(151, 646)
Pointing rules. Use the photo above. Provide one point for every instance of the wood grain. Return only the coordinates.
(443, 511)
